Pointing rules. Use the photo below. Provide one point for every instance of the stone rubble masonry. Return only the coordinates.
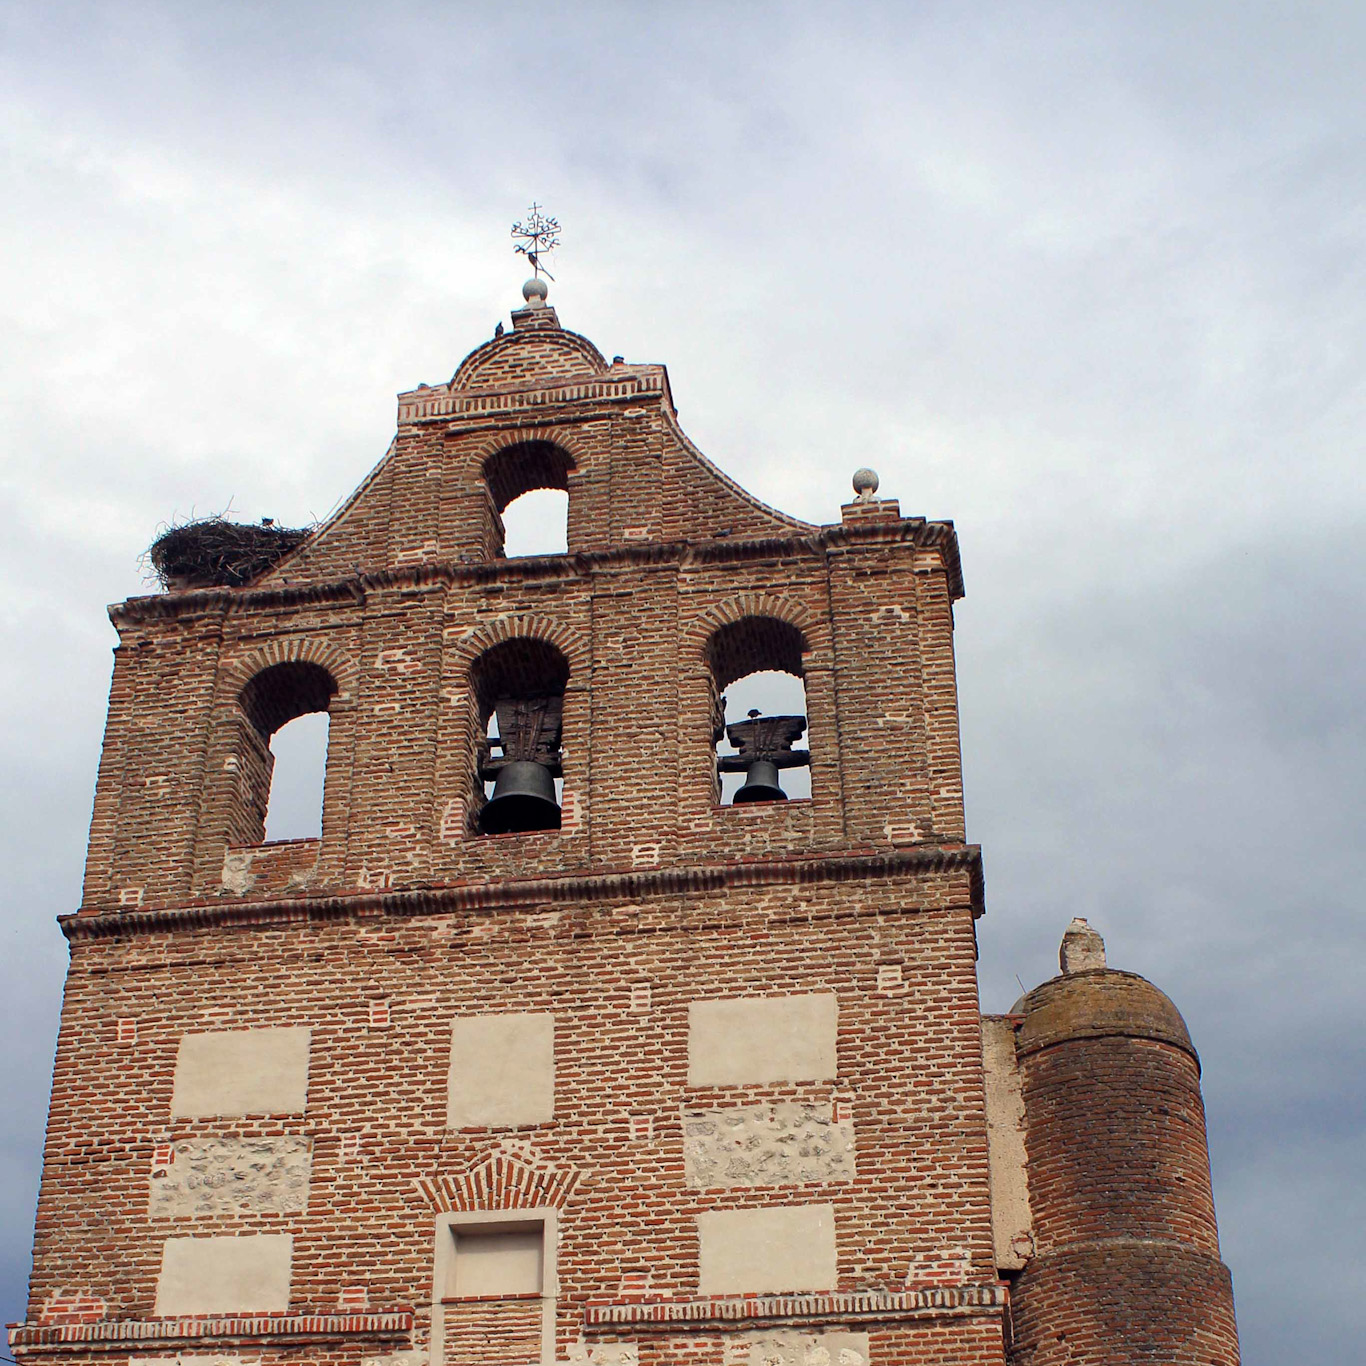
(340, 1049)
(766, 1145)
(231, 1176)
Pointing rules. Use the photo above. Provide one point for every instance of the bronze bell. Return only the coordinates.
(523, 799)
(761, 784)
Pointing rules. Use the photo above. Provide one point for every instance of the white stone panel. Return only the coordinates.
(766, 1145)
(195, 1359)
(1011, 1220)
(789, 1347)
(502, 1071)
(233, 1176)
(236, 1275)
(602, 1354)
(757, 1039)
(782, 1248)
(241, 1072)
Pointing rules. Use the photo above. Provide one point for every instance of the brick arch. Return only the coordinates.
(566, 439)
(517, 467)
(756, 607)
(569, 642)
(238, 672)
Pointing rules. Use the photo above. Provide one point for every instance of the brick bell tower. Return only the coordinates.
(548, 1050)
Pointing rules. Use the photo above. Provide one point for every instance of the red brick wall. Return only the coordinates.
(1128, 1269)
(492, 1333)
(909, 1067)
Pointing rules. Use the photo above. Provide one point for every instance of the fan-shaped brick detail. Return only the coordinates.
(521, 627)
(501, 1181)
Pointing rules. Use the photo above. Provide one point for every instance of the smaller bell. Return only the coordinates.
(761, 784)
(523, 800)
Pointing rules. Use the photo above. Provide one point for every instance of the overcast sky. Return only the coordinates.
(1085, 278)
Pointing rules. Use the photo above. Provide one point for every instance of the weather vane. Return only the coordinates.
(540, 233)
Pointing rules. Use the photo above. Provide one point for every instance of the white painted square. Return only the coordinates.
(499, 1260)
(502, 1071)
(757, 1251)
(238, 1275)
(241, 1072)
(757, 1039)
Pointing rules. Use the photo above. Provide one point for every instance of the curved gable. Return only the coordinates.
(521, 357)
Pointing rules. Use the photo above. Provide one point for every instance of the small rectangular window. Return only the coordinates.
(497, 1261)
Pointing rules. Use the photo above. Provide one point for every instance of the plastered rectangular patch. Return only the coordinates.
(758, 1251)
(502, 1071)
(241, 1072)
(757, 1039)
(235, 1275)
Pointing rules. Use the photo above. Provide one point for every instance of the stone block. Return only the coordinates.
(755, 1039)
(502, 1071)
(248, 1274)
(757, 1251)
(241, 1072)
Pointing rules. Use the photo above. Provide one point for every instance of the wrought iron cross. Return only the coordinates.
(539, 233)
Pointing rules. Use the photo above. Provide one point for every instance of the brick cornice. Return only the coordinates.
(506, 894)
(116, 1335)
(870, 1307)
(580, 564)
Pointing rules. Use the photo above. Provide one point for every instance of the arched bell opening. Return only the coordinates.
(528, 486)
(518, 687)
(281, 760)
(759, 712)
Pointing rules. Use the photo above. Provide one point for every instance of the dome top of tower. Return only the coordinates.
(1089, 1000)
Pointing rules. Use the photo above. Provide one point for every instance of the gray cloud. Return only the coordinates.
(1086, 278)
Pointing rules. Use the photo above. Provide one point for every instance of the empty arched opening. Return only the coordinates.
(282, 761)
(759, 711)
(537, 523)
(294, 810)
(529, 487)
(518, 689)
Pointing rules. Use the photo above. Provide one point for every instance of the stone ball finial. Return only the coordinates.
(535, 291)
(865, 483)
(1082, 949)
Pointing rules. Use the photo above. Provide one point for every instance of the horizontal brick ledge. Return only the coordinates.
(932, 858)
(116, 1334)
(872, 1307)
(806, 540)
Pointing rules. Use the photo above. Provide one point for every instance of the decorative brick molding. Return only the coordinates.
(115, 1335)
(917, 531)
(514, 892)
(501, 1181)
(872, 1307)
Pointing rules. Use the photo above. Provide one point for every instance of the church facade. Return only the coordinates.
(553, 1047)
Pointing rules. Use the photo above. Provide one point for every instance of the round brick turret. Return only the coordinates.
(1126, 1266)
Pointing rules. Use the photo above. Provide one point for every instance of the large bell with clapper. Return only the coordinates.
(524, 772)
(761, 784)
(765, 745)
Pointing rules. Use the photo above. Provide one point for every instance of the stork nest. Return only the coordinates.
(214, 552)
